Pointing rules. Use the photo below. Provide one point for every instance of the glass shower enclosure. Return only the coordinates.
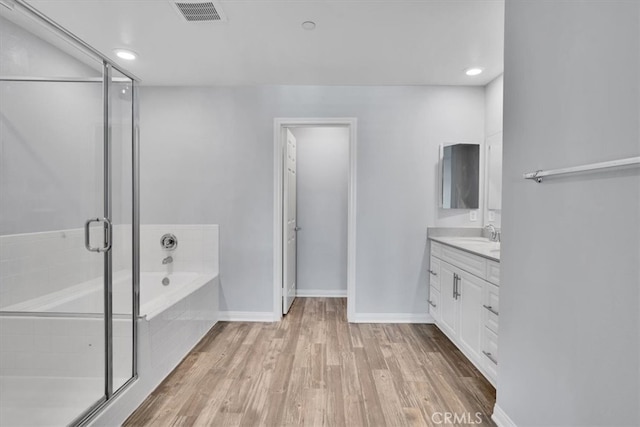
(69, 276)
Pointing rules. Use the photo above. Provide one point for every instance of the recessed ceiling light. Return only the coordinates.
(309, 25)
(473, 71)
(129, 55)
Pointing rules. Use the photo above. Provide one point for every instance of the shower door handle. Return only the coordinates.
(107, 235)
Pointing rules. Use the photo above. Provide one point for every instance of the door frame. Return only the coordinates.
(280, 124)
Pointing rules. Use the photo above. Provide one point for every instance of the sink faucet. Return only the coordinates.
(495, 235)
(167, 260)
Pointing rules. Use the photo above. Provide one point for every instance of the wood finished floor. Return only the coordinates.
(314, 368)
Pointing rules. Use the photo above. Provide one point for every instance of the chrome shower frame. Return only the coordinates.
(108, 66)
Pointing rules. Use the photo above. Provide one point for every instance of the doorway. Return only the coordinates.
(286, 202)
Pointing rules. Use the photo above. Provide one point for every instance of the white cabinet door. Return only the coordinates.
(448, 303)
(470, 289)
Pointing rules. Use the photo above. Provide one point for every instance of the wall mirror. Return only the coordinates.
(460, 176)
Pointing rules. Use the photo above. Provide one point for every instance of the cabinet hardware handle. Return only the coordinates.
(488, 307)
(431, 303)
(455, 286)
(490, 357)
(433, 272)
(455, 277)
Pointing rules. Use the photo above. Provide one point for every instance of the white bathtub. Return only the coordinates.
(166, 333)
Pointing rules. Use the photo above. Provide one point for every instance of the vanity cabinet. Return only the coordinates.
(464, 288)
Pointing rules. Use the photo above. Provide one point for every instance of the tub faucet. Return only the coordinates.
(167, 260)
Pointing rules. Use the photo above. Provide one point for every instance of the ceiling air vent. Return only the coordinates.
(199, 11)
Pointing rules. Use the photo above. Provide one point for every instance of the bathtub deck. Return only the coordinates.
(315, 368)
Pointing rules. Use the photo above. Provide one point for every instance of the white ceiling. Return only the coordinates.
(356, 42)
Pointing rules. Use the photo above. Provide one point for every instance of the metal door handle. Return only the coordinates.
(488, 307)
(490, 357)
(107, 235)
(431, 303)
(297, 229)
(433, 272)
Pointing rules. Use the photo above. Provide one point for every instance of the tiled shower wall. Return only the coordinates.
(196, 250)
(36, 264)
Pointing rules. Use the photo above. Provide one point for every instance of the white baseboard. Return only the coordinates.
(246, 316)
(501, 418)
(391, 318)
(267, 316)
(321, 293)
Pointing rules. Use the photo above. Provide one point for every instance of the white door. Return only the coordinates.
(290, 225)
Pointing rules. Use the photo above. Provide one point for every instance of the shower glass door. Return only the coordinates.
(67, 225)
(52, 319)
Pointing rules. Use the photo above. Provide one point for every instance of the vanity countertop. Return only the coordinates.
(476, 245)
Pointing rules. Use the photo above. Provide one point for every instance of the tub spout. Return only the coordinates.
(167, 260)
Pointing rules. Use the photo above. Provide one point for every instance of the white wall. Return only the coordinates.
(494, 93)
(207, 157)
(51, 138)
(493, 107)
(323, 177)
(51, 163)
(570, 303)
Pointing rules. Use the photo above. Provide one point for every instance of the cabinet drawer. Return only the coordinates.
(436, 249)
(493, 272)
(490, 355)
(434, 272)
(490, 346)
(491, 304)
(434, 303)
(473, 264)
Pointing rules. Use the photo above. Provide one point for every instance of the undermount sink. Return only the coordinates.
(477, 241)
(472, 240)
(475, 244)
(480, 245)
